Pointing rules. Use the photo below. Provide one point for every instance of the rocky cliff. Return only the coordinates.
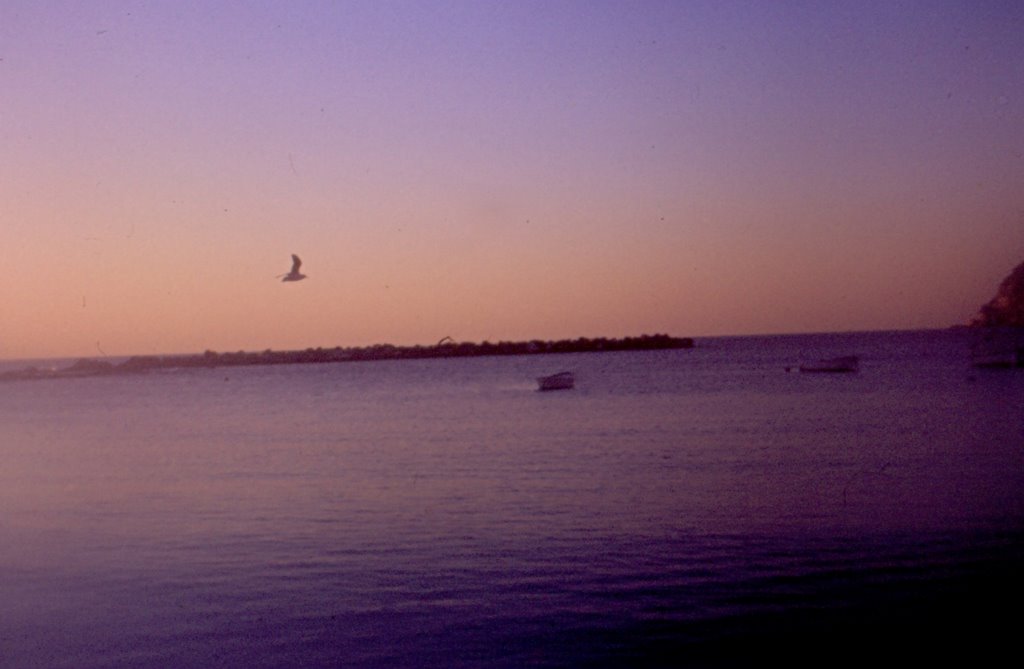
(1007, 307)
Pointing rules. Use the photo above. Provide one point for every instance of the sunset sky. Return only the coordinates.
(500, 170)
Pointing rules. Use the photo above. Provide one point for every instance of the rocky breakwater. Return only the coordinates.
(446, 348)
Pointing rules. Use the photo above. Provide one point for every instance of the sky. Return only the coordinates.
(500, 170)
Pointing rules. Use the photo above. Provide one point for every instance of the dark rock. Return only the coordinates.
(1006, 309)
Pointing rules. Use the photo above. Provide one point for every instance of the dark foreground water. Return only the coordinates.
(679, 508)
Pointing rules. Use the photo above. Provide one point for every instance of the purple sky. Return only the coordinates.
(501, 170)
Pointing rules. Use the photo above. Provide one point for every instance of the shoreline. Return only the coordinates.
(446, 348)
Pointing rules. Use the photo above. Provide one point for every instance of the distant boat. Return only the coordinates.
(998, 348)
(560, 381)
(998, 359)
(846, 363)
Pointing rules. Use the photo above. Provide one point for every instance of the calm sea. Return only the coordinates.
(695, 507)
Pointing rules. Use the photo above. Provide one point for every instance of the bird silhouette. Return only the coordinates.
(295, 274)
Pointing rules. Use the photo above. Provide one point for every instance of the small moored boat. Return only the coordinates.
(846, 363)
(998, 359)
(560, 381)
(998, 348)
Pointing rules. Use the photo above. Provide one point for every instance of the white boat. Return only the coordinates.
(846, 363)
(560, 381)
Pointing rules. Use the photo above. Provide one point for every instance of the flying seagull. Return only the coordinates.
(295, 274)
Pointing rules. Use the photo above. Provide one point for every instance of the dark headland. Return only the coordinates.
(446, 348)
(1006, 309)
(999, 326)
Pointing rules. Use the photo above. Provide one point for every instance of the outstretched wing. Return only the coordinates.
(296, 264)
